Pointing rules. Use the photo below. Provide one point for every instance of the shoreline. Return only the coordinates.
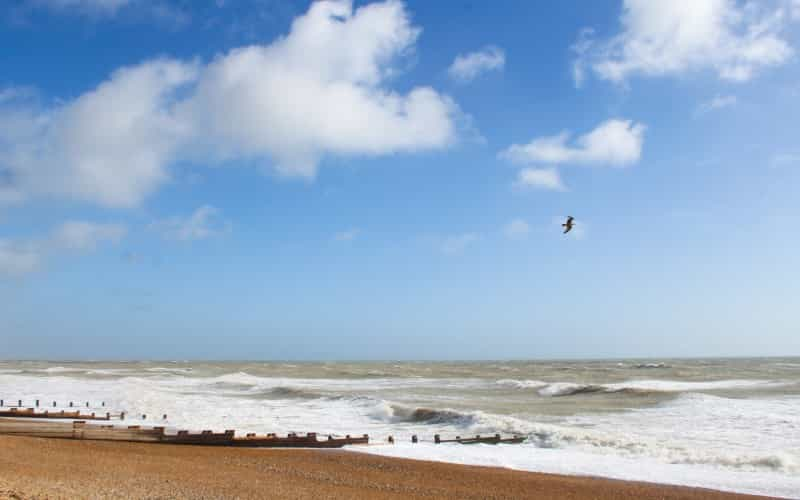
(54, 468)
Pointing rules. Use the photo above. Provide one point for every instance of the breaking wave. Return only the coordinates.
(641, 387)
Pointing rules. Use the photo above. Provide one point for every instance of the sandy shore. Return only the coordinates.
(49, 468)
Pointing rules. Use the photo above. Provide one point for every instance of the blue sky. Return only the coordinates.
(385, 180)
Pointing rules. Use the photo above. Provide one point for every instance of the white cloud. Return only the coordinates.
(717, 102)
(517, 229)
(466, 67)
(615, 143)
(659, 38)
(82, 235)
(543, 178)
(110, 146)
(18, 258)
(456, 244)
(320, 90)
(348, 235)
(206, 221)
(795, 8)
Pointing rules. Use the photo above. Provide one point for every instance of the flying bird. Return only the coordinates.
(568, 225)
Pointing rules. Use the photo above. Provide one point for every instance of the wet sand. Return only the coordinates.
(52, 468)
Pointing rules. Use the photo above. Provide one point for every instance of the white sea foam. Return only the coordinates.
(570, 388)
(522, 384)
(747, 443)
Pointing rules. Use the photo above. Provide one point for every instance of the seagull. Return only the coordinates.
(568, 225)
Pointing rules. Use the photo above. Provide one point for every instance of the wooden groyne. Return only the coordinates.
(35, 422)
(135, 433)
(496, 439)
(72, 415)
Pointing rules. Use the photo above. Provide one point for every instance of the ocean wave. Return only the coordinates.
(522, 384)
(286, 392)
(175, 371)
(638, 387)
(398, 413)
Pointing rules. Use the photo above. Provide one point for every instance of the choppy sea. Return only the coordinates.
(728, 424)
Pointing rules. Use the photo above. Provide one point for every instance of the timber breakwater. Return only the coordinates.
(33, 422)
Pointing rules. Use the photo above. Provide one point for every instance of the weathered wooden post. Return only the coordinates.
(108, 416)
(87, 404)
(414, 439)
(164, 417)
(103, 403)
(436, 439)
(1, 402)
(54, 404)
(391, 439)
(70, 404)
(19, 403)
(144, 417)
(37, 403)
(122, 415)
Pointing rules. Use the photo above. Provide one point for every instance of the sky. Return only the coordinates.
(260, 179)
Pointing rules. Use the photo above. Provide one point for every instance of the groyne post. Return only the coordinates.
(414, 439)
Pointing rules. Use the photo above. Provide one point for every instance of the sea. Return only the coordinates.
(727, 424)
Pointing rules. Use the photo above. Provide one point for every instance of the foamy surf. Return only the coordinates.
(731, 425)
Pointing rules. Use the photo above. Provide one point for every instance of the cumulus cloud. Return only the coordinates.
(20, 257)
(456, 244)
(110, 146)
(206, 221)
(517, 229)
(717, 102)
(659, 38)
(466, 67)
(320, 90)
(615, 143)
(542, 178)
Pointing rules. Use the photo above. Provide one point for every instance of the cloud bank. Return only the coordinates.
(320, 90)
